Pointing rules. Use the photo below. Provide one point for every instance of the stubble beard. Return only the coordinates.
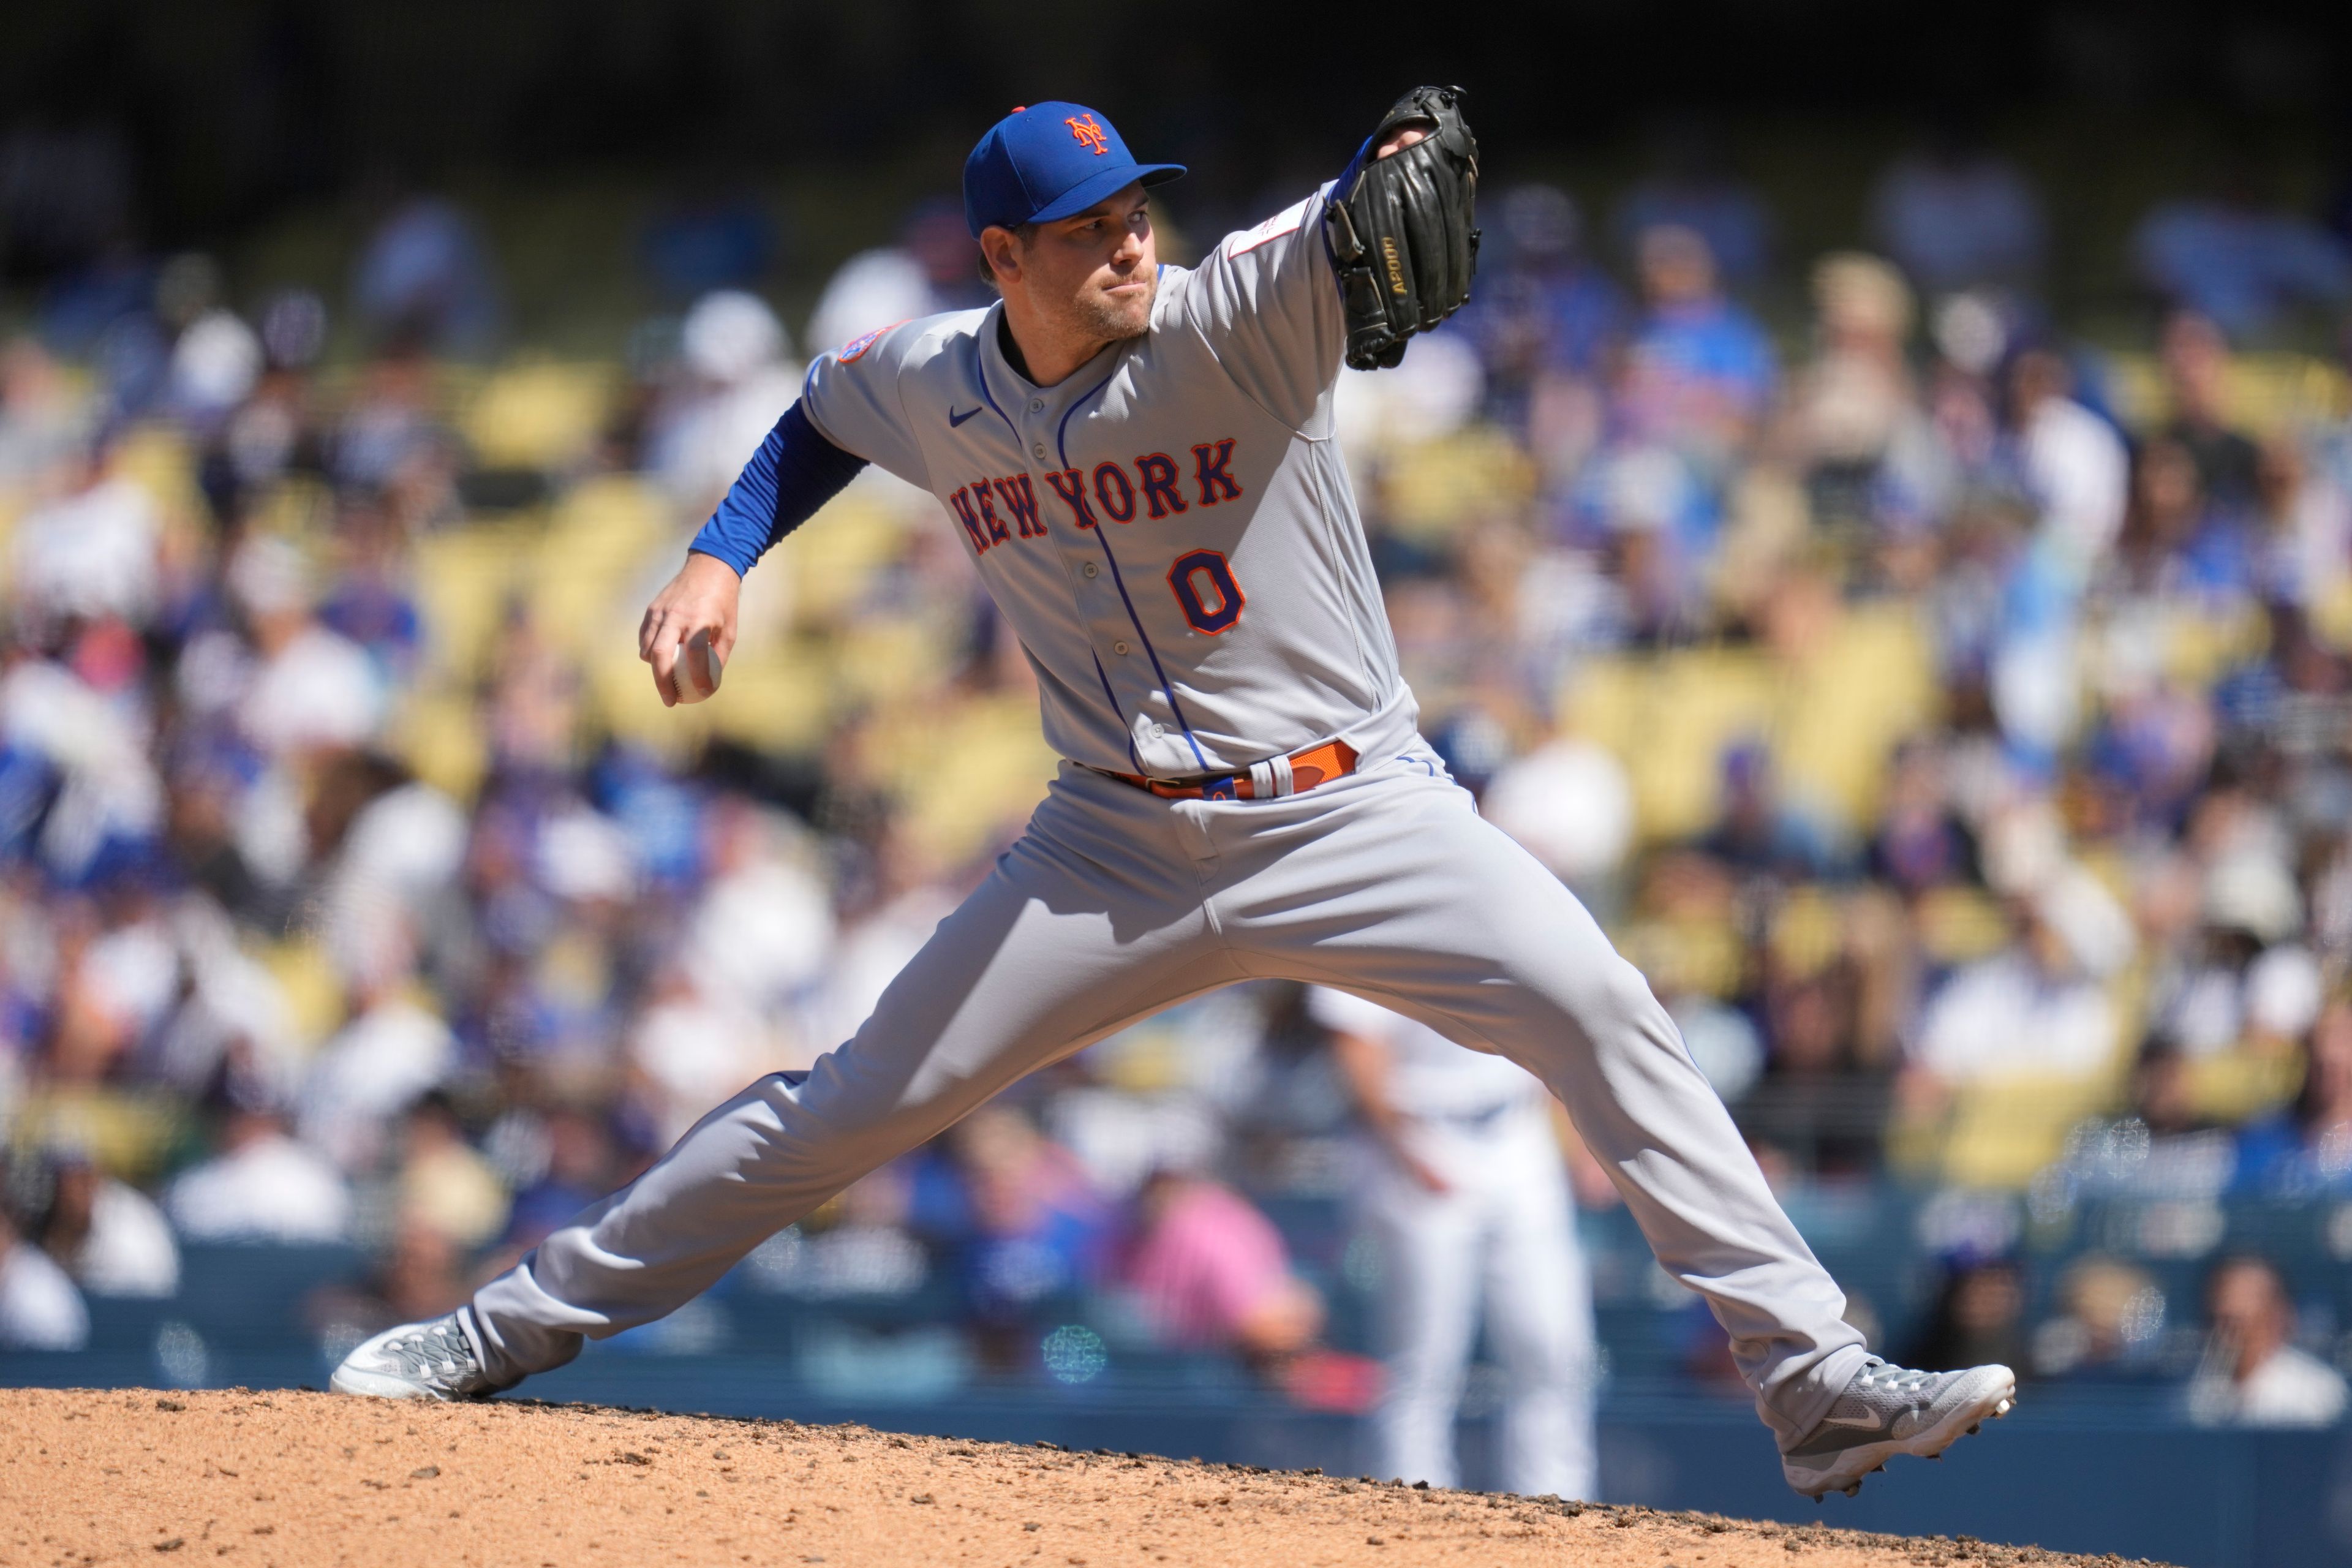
(1110, 321)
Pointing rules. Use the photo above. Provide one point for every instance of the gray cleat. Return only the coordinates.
(418, 1361)
(1887, 1410)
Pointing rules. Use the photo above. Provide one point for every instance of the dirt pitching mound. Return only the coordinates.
(122, 1476)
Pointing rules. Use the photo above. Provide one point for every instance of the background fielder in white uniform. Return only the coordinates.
(1461, 1185)
(1140, 459)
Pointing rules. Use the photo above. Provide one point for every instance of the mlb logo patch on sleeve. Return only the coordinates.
(859, 344)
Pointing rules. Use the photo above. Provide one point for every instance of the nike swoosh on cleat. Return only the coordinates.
(1869, 1421)
(954, 418)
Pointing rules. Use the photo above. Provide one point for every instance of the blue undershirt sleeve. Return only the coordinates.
(795, 472)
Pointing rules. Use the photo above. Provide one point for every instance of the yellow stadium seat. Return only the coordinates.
(466, 579)
(307, 978)
(1831, 722)
(538, 414)
(2002, 1130)
(1430, 491)
(2266, 393)
(835, 557)
(600, 547)
(439, 734)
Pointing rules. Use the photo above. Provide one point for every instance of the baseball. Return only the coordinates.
(698, 668)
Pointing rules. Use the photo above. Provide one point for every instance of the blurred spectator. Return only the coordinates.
(2039, 1005)
(1872, 455)
(392, 1052)
(444, 1185)
(108, 1234)
(2074, 465)
(2306, 1149)
(424, 277)
(1760, 833)
(2178, 543)
(261, 1187)
(932, 268)
(1822, 1102)
(1957, 216)
(1700, 367)
(1208, 1272)
(2237, 261)
(2243, 979)
(391, 439)
(1569, 804)
(93, 553)
(1978, 1316)
(1920, 841)
(42, 423)
(2195, 361)
(859, 1246)
(738, 375)
(1693, 188)
(1545, 317)
(386, 852)
(214, 365)
(2110, 1314)
(1013, 1210)
(763, 928)
(2252, 1374)
(2166, 1146)
(418, 1277)
(714, 236)
(2305, 518)
(559, 1164)
(695, 1050)
(87, 757)
(304, 688)
(39, 1308)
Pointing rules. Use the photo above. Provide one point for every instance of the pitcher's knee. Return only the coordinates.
(1610, 1000)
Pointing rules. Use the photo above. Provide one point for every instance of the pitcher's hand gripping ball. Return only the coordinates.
(698, 668)
(1402, 231)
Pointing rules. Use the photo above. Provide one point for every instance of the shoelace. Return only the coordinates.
(1893, 1379)
(439, 1349)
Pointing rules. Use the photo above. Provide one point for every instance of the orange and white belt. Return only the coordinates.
(1269, 780)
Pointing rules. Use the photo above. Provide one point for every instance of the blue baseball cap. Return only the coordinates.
(1049, 160)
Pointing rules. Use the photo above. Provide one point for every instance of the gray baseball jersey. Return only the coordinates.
(1169, 531)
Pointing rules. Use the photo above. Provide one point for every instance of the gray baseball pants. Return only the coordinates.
(1114, 904)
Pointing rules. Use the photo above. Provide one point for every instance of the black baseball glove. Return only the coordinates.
(1400, 231)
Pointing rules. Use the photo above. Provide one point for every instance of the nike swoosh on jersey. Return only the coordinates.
(955, 418)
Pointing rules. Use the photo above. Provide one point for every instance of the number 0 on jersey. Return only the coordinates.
(1205, 590)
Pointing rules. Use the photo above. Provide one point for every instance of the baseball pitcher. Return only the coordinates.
(1140, 459)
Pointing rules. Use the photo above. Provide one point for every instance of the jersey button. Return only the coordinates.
(1119, 648)
(1091, 570)
(1039, 449)
(1159, 731)
(1036, 405)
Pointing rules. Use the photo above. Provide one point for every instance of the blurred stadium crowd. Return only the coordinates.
(1949, 716)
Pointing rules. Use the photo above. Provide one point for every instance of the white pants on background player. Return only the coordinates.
(1117, 903)
(1461, 1187)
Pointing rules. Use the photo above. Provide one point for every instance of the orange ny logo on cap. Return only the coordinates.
(1089, 133)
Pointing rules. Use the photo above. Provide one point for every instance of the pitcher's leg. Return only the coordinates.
(1030, 968)
(1434, 913)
